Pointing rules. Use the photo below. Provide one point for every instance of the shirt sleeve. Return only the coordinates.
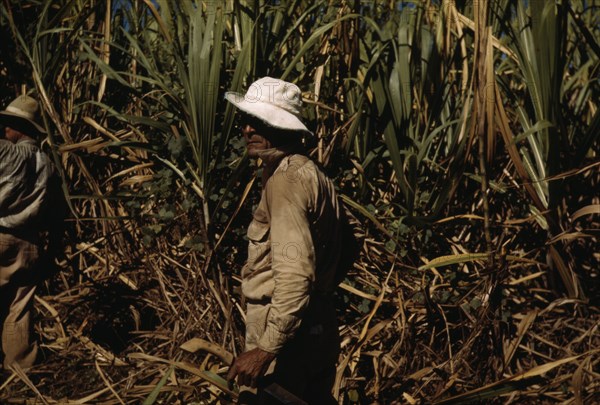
(293, 257)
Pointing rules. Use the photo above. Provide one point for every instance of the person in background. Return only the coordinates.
(29, 204)
(295, 247)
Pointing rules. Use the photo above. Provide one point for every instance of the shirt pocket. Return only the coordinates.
(258, 231)
(259, 248)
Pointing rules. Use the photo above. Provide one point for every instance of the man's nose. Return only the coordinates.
(247, 130)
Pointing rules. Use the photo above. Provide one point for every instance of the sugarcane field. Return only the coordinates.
(299, 202)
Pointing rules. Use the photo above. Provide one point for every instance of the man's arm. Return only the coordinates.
(293, 265)
(293, 257)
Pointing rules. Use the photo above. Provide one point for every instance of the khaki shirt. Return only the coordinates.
(24, 175)
(294, 245)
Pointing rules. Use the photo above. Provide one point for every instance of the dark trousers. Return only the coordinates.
(305, 367)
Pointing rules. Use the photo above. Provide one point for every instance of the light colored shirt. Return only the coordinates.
(294, 244)
(24, 175)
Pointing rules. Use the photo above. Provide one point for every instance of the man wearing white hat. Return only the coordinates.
(25, 177)
(293, 254)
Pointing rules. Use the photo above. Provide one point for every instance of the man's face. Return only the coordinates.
(256, 134)
(12, 134)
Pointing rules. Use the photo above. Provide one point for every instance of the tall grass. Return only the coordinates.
(464, 136)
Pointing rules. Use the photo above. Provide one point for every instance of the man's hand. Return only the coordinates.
(250, 366)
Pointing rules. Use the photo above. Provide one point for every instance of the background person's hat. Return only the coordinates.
(21, 115)
(274, 101)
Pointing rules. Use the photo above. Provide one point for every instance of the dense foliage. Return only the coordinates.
(463, 136)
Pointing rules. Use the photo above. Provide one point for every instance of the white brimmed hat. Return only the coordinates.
(21, 115)
(274, 101)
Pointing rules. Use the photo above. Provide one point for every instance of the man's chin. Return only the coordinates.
(252, 153)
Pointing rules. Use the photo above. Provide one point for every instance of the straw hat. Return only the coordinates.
(276, 102)
(21, 115)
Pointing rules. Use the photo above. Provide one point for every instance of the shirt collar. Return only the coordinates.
(27, 140)
(273, 156)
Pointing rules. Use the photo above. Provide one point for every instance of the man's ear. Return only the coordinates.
(275, 137)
